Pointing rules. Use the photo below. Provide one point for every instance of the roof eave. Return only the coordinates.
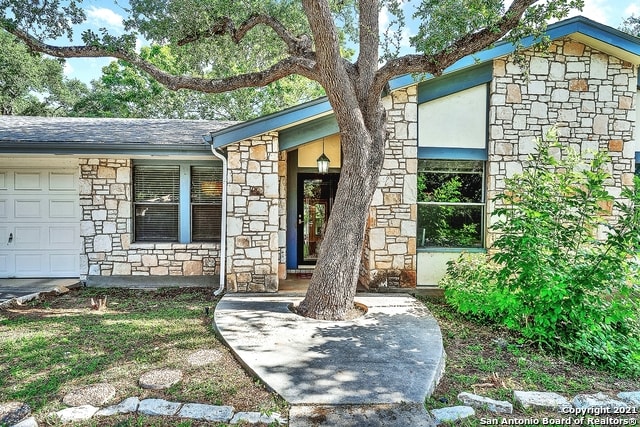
(606, 39)
(82, 149)
(277, 121)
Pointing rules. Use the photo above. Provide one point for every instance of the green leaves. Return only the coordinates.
(31, 84)
(564, 273)
(125, 91)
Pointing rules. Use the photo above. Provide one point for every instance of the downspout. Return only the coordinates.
(223, 220)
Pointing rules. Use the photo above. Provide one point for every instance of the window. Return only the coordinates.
(156, 198)
(206, 203)
(177, 203)
(450, 203)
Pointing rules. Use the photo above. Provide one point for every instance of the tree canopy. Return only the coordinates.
(126, 91)
(631, 25)
(31, 84)
(229, 45)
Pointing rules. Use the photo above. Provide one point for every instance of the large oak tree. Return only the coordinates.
(282, 38)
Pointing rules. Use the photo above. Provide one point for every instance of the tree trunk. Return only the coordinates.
(333, 284)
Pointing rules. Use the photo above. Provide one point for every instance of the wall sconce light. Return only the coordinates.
(323, 161)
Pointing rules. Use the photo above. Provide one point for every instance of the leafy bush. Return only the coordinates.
(562, 274)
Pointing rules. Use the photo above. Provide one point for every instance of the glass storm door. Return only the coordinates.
(315, 200)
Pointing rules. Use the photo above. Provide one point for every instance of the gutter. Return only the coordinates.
(223, 221)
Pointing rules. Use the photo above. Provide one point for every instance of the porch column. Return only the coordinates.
(253, 220)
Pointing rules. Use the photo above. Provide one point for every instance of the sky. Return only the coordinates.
(109, 14)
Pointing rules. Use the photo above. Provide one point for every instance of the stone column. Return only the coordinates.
(253, 215)
(390, 250)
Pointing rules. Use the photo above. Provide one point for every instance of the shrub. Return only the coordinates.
(550, 277)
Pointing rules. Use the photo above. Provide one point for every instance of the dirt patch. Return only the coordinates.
(356, 312)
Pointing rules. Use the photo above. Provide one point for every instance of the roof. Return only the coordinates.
(75, 135)
(602, 37)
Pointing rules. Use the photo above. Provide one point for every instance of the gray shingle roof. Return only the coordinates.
(22, 129)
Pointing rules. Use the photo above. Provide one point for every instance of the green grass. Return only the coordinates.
(49, 347)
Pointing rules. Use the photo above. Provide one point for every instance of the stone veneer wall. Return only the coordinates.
(590, 95)
(106, 226)
(253, 215)
(390, 251)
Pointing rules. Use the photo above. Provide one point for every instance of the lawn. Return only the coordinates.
(50, 346)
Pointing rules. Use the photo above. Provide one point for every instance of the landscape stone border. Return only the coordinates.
(161, 407)
(598, 404)
(604, 405)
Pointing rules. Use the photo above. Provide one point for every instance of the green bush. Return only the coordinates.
(550, 277)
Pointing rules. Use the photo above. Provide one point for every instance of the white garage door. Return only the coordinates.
(39, 223)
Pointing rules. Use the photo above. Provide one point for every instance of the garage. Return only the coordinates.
(39, 222)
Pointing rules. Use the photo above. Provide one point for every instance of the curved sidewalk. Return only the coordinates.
(391, 356)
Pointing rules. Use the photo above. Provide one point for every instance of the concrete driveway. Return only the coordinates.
(26, 289)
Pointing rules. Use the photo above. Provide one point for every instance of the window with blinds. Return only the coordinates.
(156, 198)
(206, 203)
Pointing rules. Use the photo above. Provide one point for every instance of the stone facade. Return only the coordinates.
(390, 251)
(253, 215)
(588, 94)
(106, 227)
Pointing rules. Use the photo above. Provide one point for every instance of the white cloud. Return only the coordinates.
(609, 12)
(597, 10)
(383, 17)
(632, 9)
(103, 17)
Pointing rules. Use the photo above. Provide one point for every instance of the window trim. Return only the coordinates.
(184, 205)
(482, 204)
(174, 170)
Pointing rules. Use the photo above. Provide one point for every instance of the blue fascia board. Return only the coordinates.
(444, 153)
(455, 82)
(269, 123)
(82, 148)
(296, 136)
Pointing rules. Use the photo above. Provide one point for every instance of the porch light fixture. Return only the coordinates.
(323, 161)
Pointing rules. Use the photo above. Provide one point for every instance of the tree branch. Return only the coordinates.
(285, 67)
(299, 46)
(468, 44)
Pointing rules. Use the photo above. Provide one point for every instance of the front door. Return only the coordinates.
(315, 200)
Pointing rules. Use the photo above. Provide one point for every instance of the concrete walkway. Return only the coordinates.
(379, 367)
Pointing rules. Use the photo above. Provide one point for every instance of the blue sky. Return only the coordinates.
(109, 14)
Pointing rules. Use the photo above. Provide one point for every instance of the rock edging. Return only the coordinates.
(597, 404)
(152, 407)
